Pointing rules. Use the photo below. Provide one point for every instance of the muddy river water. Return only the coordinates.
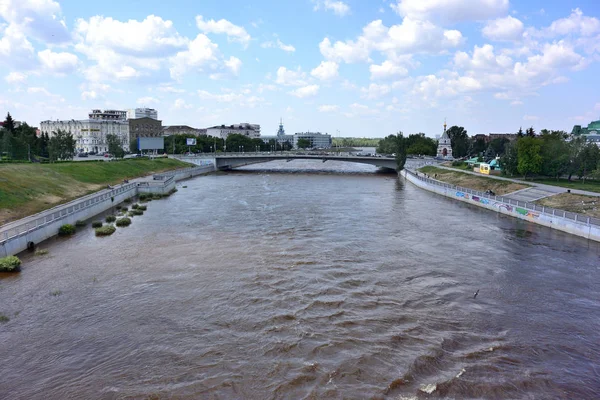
(306, 280)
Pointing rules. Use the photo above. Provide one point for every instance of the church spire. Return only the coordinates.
(444, 124)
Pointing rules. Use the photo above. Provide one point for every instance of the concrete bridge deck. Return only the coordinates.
(230, 161)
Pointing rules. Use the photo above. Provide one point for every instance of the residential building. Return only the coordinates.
(444, 149)
(143, 127)
(317, 140)
(136, 113)
(90, 134)
(246, 129)
(183, 130)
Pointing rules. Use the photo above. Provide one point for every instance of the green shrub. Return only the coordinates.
(124, 209)
(138, 212)
(174, 190)
(127, 201)
(118, 207)
(66, 230)
(143, 196)
(41, 252)
(4, 318)
(96, 224)
(79, 223)
(157, 196)
(185, 187)
(130, 213)
(10, 264)
(143, 208)
(110, 218)
(56, 292)
(121, 222)
(136, 205)
(106, 230)
(458, 163)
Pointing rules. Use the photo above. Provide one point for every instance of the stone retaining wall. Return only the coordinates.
(572, 223)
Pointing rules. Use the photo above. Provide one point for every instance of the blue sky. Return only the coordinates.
(345, 67)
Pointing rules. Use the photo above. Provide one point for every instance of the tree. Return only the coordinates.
(303, 143)
(498, 146)
(400, 151)
(530, 132)
(479, 146)
(555, 154)
(61, 146)
(509, 160)
(520, 132)
(529, 157)
(44, 141)
(420, 144)
(459, 140)
(9, 123)
(114, 146)
(589, 158)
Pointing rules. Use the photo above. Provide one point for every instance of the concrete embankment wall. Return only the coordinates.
(572, 223)
(39, 227)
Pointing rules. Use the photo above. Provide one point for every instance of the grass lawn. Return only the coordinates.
(462, 167)
(26, 189)
(590, 186)
(480, 183)
(586, 205)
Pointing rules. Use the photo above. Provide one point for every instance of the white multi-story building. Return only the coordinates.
(246, 129)
(317, 140)
(136, 113)
(90, 134)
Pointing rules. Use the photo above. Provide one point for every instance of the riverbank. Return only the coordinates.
(480, 183)
(27, 189)
(573, 223)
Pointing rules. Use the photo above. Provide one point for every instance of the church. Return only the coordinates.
(444, 149)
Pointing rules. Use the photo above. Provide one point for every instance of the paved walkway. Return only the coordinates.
(548, 189)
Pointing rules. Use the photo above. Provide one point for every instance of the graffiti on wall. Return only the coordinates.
(526, 212)
(499, 205)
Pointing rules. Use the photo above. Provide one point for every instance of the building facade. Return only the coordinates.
(281, 137)
(136, 113)
(222, 131)
(183, 130)
(317, 140)
(90, 134)
(143, 127)
(591, 133)
(444, 149)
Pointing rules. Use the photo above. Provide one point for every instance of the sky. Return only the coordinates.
(350, 68)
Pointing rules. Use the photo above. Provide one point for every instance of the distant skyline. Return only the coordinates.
(343, 67)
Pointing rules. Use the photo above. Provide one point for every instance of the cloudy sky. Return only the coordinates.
(361, 67)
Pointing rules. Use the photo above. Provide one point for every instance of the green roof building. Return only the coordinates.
(592, 129)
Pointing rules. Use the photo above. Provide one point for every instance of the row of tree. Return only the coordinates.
(415, 144)
(550, 154)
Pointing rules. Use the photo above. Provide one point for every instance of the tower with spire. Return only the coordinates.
(280, 131)
(444, 149)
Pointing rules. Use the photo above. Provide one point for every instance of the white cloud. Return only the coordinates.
(326, 71)
(234, 32)
(411, 36)
(151, 37)
(288, 77)
(15, 49)
(15, 77)
(306, 91)
(240, 99)
(279, 44)
(451, 10)
(89, 95)
(146, 101)
(483, 58)
(361, 110)
(199, 54)
(338, 7)
(576, 23)
(531, 117)
(234, 65)
(40, 19)
(180, 104)
(508, 28)
(387, 70)
(375, 91)
(328, 108)
(170, 89)
(59, 63)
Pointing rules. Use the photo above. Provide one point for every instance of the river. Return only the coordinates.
(306, 280)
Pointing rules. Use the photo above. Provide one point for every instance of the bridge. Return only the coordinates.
(234, 160)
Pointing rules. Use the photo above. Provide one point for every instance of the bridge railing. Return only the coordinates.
(584, 219)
